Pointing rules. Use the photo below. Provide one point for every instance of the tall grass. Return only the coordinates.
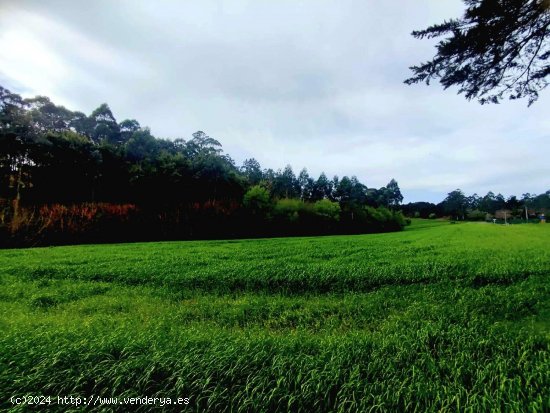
(438, 318)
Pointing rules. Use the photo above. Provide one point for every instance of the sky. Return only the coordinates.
(315, 84)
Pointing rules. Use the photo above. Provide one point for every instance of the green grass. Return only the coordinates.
(437, 318)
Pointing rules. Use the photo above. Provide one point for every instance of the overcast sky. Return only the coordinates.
(307, 83)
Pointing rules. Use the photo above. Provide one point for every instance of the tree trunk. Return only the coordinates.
(17, 201)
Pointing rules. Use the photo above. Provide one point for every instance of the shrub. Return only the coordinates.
(57, 223)
(327, 209)
(476, 215)
(289, 209)
(400, 218)
(382, 219)
(257, 200)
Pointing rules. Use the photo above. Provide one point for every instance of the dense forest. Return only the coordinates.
(67, 177)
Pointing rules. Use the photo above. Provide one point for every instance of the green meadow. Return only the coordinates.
(438, 317)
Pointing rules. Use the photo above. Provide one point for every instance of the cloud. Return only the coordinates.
(315, 84)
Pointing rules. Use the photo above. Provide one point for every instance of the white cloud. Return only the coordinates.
(310, 83)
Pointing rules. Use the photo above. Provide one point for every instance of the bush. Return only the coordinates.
(382, 219)
(327, 209)
(58, 223)
(257, 200)
(289, 209)
(476, 215)
(398, 220)
(432, 216)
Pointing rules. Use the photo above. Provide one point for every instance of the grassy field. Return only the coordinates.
(437, 318)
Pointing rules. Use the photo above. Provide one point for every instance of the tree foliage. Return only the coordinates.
(477, 208)
(257, 200)
(498, 49)
(59, 167)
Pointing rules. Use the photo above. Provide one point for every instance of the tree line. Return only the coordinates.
(459, 206)
(70, 177)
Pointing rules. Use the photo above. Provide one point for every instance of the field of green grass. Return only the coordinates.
(439, 317)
